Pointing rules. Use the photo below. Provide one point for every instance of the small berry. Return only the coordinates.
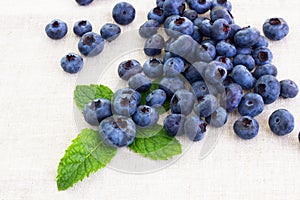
(275, 28)
(246, 127)
(56, 29)
(129, 68)
(110, 31)
(145, 116)
(281, 122)
(123, 13)
(174, 124)
(72, 63)
(81, 27)
(289, 89)
(194, 128)
(91, 44)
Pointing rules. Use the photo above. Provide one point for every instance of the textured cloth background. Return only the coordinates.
(37, 122)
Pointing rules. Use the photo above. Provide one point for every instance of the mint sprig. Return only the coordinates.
(84, 94)
(154, 143)
(85, 155)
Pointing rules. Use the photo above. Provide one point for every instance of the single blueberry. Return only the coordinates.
(190, 14)
(182, 102)
(117, 131)
(154, 45)
(223, 3)
(262, 42)
(246, 60)
(56, 29)
(218, 118)
(126, 101)
(289, 89)
(247, 37)
(262, 55)
(174, 124)
(199, 89)
(96, 111)
(195, 128)
(173, 7)
(157, 14)
(91, 44)
(220, 12)
(171, 85)
(225, 48)
(191, 74)
(139, 82)
(281, 122)
(205, 27)
(81, 27)
(246, 127)
(173, 67)
(206, 105)
(84, 2)
(156, 98)
(275, 28)
(123, 13)
(232, 97)
(129, 68)
(200, 6)
(145, 116)
(220, 29)
(252, 104)
(227, 61)
(241, 75)
(267, 69)
(215, 72)
(268, 87)
(72, 63)
(179, 26)
(149, 28)
(153, 68)
(110, 31)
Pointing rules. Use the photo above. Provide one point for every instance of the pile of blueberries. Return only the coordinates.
(207, 68)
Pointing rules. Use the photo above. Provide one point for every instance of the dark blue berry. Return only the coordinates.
(153, 68)
(171, 85)
(117, 131)
(262, 55)
(190, 14)
(225, 48)
(246, 127)
(110, 31)
(241, 75)
(275, 28)
(156, 98)
(251, 105)
(195, 128)
(227, 61)
(223, 3)
(81, 27)
(129, 68)
(247, 37)
(268, 87)
(56, 29)
(199, 89)
(262, 70)
(174, 124)
(157, 14)
(173, 67)
(262, 42)
(206, 105)
(149, 28)
(220, 12)
(191, 74)
(220, 29)
(123, 13)
(71, 63)
(84, 2)
(126, 101)
(232, 97)
(182, 102)
(145, 116)
(218, 118)
(200, 6)
(246, 60)
(179, 26)
(91, 44)
(173, 7)
(205, 27)
(154, 45)
(289, 89)
(96, 111)
(281, 122)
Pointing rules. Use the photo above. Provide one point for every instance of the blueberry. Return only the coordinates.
(96, 111)
(198, 20)
(84, 2)
(171, 85)
(81, 27)
(234, 28)
(281, 122)
(191, 74)
(206, 106)
(149, 28)
(227, 61)
(174, 124)
(262, 42)
(157, 14)
(267, 69)
(201, 6)
(247, 37)
(123, 13)
(179, 26)
(145, 116)
(71, 63)
(268, 87)
(206, 52)
(197, 35)
(246, 60)
(205, 27)
(246, 127)
(199, 89)
(220, 29)
(173, 7)
(223, 3)
(91, 44)
(182, 102)
(154, 45)
(129, 68)
(110, 31)
(160, 3)
(56, 29)
(117, 131)
(195, 128)
(139, 82)
(220, 12)
(126, 101)
(190, 14)
(262, 56)
(252, 104)
(153, 68)
(215, 72)
(232, 97)
(289, 89)
(173, 67)
(156, 98)
(243, 77)
(169, 20)
(218, 118)
(225, 48)
(275, 28)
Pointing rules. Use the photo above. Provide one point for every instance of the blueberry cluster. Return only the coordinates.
(90, 44)
(205, 69)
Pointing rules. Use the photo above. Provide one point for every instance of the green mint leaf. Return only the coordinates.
(154, 143)
(85, 155)
(84, 94)
(155, 85)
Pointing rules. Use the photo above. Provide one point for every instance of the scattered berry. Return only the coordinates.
(96, 111)
(275, 28)
(56, 29)
(194, 128)
(289, 89)
(81, 27)
(123, 13)
(281, 122)
(268, 87)
(129, 68)
(72, 63)
(91, 44)
(110, 31)
(246, 127)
